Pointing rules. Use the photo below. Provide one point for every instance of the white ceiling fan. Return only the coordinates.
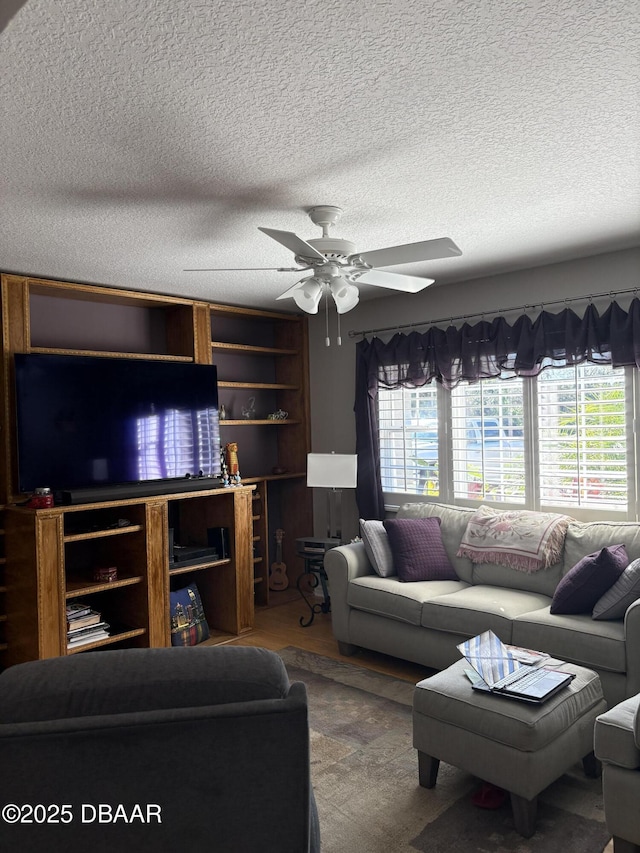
(337, 267)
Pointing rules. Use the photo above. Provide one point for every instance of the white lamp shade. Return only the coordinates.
(308, 296)
(332, 470)
(345, 295)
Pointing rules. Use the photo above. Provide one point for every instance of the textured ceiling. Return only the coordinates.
(140, 137)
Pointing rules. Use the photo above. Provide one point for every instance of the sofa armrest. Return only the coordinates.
(615, 736)
(344, 564)
(632, 646)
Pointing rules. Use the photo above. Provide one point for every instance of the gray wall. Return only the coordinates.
(333, 368)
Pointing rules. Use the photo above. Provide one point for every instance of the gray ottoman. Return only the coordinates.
(518, 746)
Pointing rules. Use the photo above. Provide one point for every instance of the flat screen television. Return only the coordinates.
(86, 422)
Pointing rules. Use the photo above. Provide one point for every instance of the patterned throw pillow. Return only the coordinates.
(521, 539)
(626, 590)
(418, 552)
(188, 623)
(376, 544)
(582, 586)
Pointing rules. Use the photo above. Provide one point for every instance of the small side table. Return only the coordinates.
(313, 575)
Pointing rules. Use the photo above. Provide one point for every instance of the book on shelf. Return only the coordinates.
(90, 618)
(76, 609)
(87, 638)
(88, 629)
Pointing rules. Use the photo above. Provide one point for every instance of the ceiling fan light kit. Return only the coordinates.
(337, 267)
(345, 295)
(308, 296)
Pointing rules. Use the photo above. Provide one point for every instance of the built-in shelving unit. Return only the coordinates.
(264, 356)
(45, 554)
(55, 552)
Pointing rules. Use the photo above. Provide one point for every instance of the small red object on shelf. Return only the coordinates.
(104, 574)
(41, 499)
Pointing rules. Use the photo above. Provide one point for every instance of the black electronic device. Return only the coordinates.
(191, 555)
(95, 428)
(309, 547)
(218, 538)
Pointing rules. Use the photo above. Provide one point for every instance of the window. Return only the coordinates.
(488, 443)
(582, 437)
(409, 440)
(563, 439)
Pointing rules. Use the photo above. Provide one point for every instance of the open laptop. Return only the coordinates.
(500, 672)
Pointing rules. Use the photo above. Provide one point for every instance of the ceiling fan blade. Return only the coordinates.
(249, 269)
(427, 250)
(290, 290)
(393, 280)
(294, 243)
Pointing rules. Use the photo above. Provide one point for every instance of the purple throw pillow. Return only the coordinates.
(418, 552)
(583, 585)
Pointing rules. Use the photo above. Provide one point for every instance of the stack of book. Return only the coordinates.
(84, 625)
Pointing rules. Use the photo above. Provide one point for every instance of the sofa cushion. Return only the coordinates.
(475, 609)
(376, 544)
(586, 537)
(418, 552)
(544, 582)
(521, 539)
(589, 579)
(626, 590)
(401, 601)
(454, 523)
(575, 638)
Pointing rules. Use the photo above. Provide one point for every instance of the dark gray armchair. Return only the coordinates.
(194, 749)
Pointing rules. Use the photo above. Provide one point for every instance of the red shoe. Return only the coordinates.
(488, 796)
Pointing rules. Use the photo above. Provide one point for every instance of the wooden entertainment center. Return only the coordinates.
(46, 555)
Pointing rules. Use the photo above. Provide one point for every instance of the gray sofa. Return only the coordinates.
(143, 750)
(617, 745)
(424, 621)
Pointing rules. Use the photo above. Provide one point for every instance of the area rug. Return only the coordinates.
(365, 776)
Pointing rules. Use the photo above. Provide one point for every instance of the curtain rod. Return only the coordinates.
(397, 328)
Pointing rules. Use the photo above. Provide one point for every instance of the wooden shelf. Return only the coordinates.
(101, 534)
(196, 567)
(258, 580)
(257, 422)
(150, 356)
(218, 310)
(248, 349)
(98, 293)
(258, 386)
(80, 586)
(269, 477)
(106, 641)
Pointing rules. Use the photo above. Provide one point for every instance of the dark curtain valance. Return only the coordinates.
(477, 351)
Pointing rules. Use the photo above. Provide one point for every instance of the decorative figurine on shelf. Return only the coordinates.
(249, 411)
(224, 471)
(222, 412)
(280, 415)
(231, 451)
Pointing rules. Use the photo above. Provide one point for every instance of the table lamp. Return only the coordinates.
(333, 471)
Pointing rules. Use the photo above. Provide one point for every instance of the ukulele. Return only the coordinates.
(278, 579)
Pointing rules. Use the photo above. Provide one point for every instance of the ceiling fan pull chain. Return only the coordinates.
(327, 341)
(338, 339)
